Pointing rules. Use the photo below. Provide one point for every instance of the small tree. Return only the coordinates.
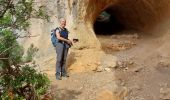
(31, 52)
(18, 80)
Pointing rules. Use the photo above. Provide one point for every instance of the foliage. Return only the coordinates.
(31, 53)
(18, 80)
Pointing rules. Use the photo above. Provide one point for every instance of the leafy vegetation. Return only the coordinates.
(31, 53)
(18, 80)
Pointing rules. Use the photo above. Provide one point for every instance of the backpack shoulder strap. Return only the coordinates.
(67, 30)
(58, 28)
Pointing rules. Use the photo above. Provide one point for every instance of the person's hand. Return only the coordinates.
(69, 42)
(74, 41)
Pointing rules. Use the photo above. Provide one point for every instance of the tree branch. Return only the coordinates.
(19, 36)
(6, 8)
(28, 36)
(3, 58)
(7, 49)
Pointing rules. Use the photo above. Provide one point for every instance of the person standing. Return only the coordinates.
(62, 48)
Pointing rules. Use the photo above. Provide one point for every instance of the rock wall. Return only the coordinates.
(143, 15)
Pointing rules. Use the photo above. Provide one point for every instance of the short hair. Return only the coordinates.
(61, 19)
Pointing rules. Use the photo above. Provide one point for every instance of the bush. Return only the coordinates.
(31, 53)
(18, 80)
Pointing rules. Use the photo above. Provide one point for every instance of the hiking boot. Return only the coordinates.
(65, 75)
(58, 77)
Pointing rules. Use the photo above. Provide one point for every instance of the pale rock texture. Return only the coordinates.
(143, 15)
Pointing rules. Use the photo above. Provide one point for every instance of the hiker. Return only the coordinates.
(62, 47)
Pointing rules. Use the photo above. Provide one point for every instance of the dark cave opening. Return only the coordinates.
(110, 26)
(107, 24)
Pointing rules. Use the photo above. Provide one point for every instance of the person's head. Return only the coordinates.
(62, 22)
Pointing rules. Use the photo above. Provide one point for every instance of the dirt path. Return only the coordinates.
(82, 86)
(147, 69)
(142, 72)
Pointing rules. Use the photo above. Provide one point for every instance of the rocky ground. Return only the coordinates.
(141, 73)
(142, 68)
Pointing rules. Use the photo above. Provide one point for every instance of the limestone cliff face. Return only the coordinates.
(143, 15)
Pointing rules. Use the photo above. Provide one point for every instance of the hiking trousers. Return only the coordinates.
(62, 51)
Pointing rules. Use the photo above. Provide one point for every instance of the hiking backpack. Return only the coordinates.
(54, 39)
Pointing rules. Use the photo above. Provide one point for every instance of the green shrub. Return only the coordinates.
(31, 53)
(18, 80)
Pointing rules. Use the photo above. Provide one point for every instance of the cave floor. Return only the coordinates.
(144, 67)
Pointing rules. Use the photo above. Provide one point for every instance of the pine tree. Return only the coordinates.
(18, 80)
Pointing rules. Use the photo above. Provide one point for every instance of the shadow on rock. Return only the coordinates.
(71, 59)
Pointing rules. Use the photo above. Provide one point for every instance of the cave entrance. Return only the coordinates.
(108, 27)
(107, 23)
